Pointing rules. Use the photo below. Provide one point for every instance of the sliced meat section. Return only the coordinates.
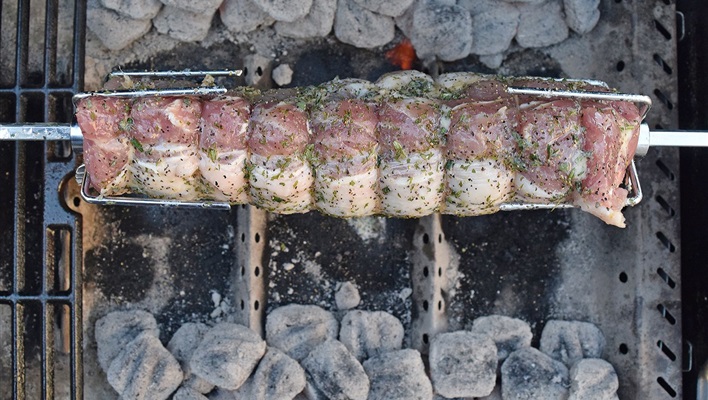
(550, 163)
(280, 177)
(105, 122)
(223, 147)
(165, 139)
(411, 175)
(344, 158)
(479, 143)
(611, 136)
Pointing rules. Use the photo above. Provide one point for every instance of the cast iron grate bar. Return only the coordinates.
(46, 266)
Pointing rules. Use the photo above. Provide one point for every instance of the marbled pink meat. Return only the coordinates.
(279, 175)
(344, 157)
(107, 151)
(404, 146)
(551, 159)
(165, 134)
(223, 147)
(611, 137)
(411, 173)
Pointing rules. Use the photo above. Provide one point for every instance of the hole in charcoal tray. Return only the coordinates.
(425, 272)
(662, 29)
(243, 270)
(77, 201)
(258, 237)
(259, 71)
(257, 271)
(666, 314)
(663, 64)
(439, 271)
(623, 277)
(440, 305)
(623, 349)
(666, 386)
(243, 237)
(665, 241)
(662, 98)
(243, 304)
(666, 350)
(665, 169)
(439, 237)
(665, 205)
(620, 66)
(245, 71)
(256, 305)
(425, 338)
(666, 278)
(426, 238)
(425, 305)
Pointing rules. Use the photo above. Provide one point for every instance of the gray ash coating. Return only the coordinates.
(508, 265)
(329, 251)
(163, 260)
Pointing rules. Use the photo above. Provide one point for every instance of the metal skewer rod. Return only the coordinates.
(170, 74)
(662, 138)
(43, 131)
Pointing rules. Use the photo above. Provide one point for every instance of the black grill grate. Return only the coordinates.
(40, 250)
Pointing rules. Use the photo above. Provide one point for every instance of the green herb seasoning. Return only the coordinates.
(399, 153)
(136, 144)
(212, 154)
(126, 124)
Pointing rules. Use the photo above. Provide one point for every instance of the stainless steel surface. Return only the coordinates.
(643, 102)
(172, 74)
(197, 91)
(665, 138)
(139, 201)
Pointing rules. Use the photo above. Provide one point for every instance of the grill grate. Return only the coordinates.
(41, 268)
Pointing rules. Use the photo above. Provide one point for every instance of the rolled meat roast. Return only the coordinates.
(404, 146)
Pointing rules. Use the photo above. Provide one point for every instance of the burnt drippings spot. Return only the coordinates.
(121, 273)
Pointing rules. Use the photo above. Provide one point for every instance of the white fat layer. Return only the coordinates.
(459, 80)
(226, 174)
(580, 166)
(527, 190)
(413, 186)
(348, 196)
(476, 187)
(281, 184)
(171, 112)
(626, 134)
(357, 88)
(445, 120)
(609, 216)
(398, 80)
(171, 176)
(119, 185)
